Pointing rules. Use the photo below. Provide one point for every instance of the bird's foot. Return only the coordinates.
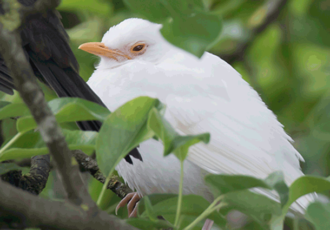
(132, 200)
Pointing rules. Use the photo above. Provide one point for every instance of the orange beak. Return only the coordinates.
(100, 49)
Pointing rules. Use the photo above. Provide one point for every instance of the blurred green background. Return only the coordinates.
(288, 64)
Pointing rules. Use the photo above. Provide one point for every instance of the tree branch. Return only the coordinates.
(23, 210)
(35, 181)
(273, 12)
(89, 164)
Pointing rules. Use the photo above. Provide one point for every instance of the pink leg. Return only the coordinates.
(208, 225)
(131, 199)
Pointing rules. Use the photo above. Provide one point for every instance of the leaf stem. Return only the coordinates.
(295, 223)
(104, 187)
(206, 212)
(9, 143)
(178, 210)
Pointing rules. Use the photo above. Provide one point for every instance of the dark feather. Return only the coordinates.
(46, 45)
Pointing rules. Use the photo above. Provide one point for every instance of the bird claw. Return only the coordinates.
(132, 200)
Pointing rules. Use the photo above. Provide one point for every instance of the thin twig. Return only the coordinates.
(89, 164)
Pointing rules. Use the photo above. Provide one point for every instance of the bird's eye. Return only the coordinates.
(138, 48)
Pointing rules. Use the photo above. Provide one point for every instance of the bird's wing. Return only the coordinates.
(246, 137)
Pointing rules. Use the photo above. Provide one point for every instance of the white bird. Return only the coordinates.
(202, 95)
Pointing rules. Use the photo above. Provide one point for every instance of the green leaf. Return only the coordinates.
(172, 141)
(192, 205)
(8, 128)
(223, 184)
(160, 10)
(149, 210)
(6, 167)
(259, 207)
(67, 110)
(191, 28)
(154, 199)
(96, 6)
(122, 131)
(305, 185)
(194, 34)
(153, 10)
(31, 144)
(300, 187)
(4, 103)
(8, 109)
(148, 224)
(318, 213)
(276, 181)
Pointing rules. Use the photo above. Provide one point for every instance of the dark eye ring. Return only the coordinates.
(138, 48)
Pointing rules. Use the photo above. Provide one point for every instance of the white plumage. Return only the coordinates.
(202, 95)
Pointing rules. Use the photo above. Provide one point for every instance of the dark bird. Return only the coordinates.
(46, 46)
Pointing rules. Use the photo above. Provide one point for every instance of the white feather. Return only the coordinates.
(202, 95)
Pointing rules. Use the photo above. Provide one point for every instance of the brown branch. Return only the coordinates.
(273, 12)
(35, 181)
(26, 84)
(89, 164)
(19, 209)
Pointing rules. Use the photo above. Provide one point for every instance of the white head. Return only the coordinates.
(132, 39)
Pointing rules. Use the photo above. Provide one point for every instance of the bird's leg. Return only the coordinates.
(132, 200)
(207, 225)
